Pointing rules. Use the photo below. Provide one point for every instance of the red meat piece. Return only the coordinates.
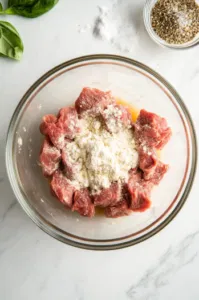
(68, 122)
(93, 99)
(147, 161)
(70, 168)
(62, 188)
(45, 121)
(126, 117)
(159, 172)
(139, 190)
(83, 204)
(61, 128)
(115, 116)
(56, 135)
(109, 196)
(49, 158)
(152, 130)
(119, 210)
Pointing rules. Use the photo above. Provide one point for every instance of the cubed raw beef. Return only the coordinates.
(62, 188)
(139, 190)
(61, 128)
(56, 135)
(109, 196)
(70, 167)
(159, 172)
(93, 100)
(83, 203)
(68, 122)
(45, 121)
(115, 117)
(147, 161)
(49, 158)
(152, 130)
(119, 210)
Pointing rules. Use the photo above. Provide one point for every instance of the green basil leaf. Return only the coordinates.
(1, 7)
(29, 10)
(10, 42)
(21, 2)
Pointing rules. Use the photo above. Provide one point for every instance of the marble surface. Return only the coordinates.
(35, 266)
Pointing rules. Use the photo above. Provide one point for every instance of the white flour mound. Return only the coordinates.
(100, 157)
(116, 25)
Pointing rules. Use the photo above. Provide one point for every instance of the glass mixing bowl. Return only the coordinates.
(147, 21)
(140, 86)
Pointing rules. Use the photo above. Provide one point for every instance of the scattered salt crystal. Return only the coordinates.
(39, 106)
(30, 140)
(24, 129)
(83, 28)
(42, 200)
(77, 220)
(117, 25)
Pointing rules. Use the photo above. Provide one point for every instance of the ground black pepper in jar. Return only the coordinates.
(175, 21)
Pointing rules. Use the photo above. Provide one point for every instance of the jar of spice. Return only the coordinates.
(173, 23)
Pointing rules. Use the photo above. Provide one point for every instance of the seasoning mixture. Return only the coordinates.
(176, 21)
(96, 156)
(116, 24)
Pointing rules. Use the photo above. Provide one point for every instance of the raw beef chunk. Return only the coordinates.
(45, 121)
(70, 167)
(68, 121)
(147, 161)
(115, 117)
(62, 188)
(83, 204)
(139, 191)
(119, 210)
(109, 196)
(61, 128)
(49, 158)
(56, 135)
(159, 172)
(152, 130)
(126, 117)
(93, 100)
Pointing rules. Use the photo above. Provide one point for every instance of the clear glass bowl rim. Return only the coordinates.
(51, 229)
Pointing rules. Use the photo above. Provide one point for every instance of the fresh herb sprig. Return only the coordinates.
(11, 44)
(29, 8)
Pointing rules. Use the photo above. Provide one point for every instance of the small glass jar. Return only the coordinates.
(147, 21)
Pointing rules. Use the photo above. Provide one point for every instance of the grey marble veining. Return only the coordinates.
(171, 262)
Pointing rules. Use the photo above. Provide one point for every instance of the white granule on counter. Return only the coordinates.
(100, 157)
(84, 28)
(117, 25)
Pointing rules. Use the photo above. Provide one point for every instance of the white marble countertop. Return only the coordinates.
(35, 266)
